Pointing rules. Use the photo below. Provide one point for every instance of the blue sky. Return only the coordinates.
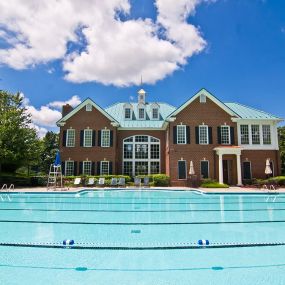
(241, 58)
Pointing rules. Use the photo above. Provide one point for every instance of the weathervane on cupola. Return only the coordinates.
(141, 94)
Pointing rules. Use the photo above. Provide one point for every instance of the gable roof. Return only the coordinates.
(117, 112)
(246, 112)
(83, 104)
(211, 97)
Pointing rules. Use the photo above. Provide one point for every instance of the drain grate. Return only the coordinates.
(135, 231)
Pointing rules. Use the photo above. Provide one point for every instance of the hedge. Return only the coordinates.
(210, 183)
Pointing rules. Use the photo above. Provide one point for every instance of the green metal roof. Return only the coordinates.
(117, 112)
(246, 112)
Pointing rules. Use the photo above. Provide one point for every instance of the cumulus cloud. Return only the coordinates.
(105, 49)
(73, 101)
(45, 117)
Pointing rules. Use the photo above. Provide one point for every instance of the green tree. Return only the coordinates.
(49, 147)
(281, 132)
(19, 144)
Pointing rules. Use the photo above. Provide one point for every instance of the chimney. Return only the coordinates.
(66, 109)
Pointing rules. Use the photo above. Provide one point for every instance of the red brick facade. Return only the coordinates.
(193, 115)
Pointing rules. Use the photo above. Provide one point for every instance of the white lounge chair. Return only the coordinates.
(122, 182)
(91, 181)
(77, 181)
(114, 182)
(101, 181)
(137, 181)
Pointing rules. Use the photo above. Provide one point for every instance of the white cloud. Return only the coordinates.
(45, 117)
(73, 101)
(112, 51)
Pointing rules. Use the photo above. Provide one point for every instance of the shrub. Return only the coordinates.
(210, 183)
(161, 180)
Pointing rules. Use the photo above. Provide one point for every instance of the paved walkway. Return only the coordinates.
(205, 190)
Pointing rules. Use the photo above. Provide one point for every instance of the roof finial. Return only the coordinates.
(141, 80)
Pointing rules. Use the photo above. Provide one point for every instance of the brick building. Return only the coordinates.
(228, 142)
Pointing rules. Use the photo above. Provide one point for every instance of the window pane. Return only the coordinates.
(141, 113)
(87, 167)
(104, 170)
(154, 151)
(70, 140)
(105, 138)
(128, 151)
(266, 134)
(141, 151)
(225, 134)
(154, 167)
(244, 134)
(127, 113)
(181, 134)
(141, 139)
(128, 168)
(141, 168)
(255, 134)
(155, 113)
(69, 168)
(87, 138)
(203, 135)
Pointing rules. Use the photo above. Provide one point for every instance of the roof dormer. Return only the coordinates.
(141, 111)
(128, 111)
(154, 108)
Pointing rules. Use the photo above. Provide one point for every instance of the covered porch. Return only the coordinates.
(225, 167)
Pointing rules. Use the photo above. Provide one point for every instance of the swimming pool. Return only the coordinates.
(141, 237)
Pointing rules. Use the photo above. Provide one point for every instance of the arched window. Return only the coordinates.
(141, 155)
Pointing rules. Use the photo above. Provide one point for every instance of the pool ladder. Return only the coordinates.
(5, 187)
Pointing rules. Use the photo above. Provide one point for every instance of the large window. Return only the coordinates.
(181, 134)
(225, 135)
(105, 138)
(104, 168)
(70, 139)
(141, 155)
(69, 168)
(266, 134)
(203, 135)
(255, 134)
(86, 167)
(88, 138)
(244, 134)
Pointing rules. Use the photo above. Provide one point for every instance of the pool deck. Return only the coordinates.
(203, 190)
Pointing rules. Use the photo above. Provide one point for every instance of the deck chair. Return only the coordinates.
(77, 181)
(137, 181)
(114, 182)
(91, 181)
(101, 181)
(146, 181)
(122, 182)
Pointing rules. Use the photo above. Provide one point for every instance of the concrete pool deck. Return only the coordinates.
(203, 190)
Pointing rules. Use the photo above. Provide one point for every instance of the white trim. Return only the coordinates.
(178, 169)
(185, 134)
(109, 144)
(84, 137)
(208, 95)
(67, 135)
(80, 106)
(87, 109)
(104, 161)
(207, 131)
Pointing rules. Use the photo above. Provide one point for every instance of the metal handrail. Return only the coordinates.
(4, 187)
(12, 187)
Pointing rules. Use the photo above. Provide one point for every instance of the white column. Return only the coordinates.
(221, 177)
(239, 182)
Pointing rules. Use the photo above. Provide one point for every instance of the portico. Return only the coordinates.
(229, 150)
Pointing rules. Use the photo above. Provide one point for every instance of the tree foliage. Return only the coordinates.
(19, 143)
(281, 132)
(49, 147)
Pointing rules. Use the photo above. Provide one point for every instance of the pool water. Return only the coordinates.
(152, 226)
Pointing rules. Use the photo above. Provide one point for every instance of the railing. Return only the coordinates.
(4, 187)
(12, 187)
